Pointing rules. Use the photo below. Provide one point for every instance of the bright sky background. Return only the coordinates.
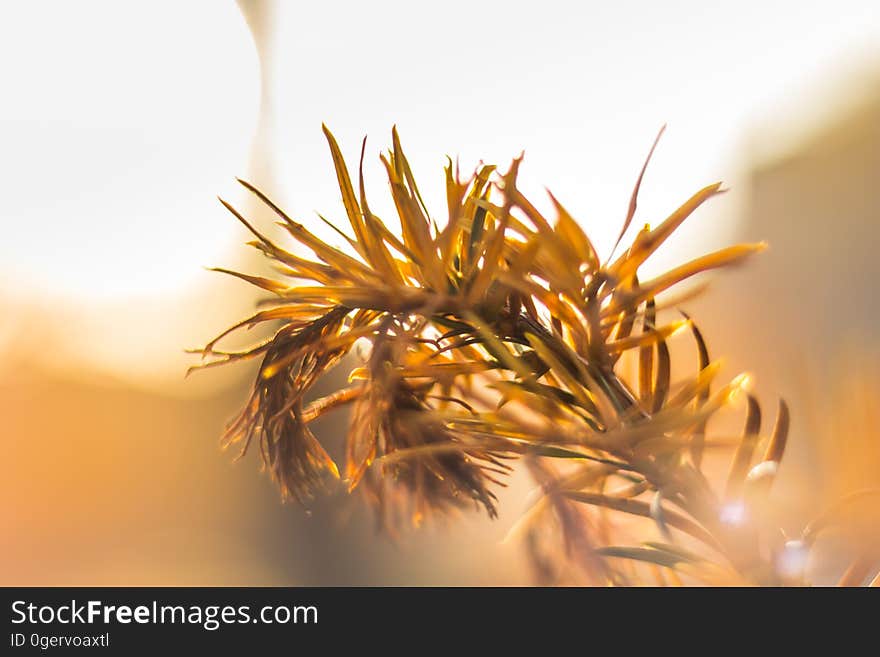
(120, 122)
(582, 87)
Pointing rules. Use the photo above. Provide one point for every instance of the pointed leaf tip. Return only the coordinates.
(634, 198)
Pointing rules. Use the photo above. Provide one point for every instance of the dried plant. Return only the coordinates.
(499, 334)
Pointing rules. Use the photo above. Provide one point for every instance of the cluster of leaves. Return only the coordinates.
(495, 335)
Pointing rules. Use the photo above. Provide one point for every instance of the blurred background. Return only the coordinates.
(120, 125)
